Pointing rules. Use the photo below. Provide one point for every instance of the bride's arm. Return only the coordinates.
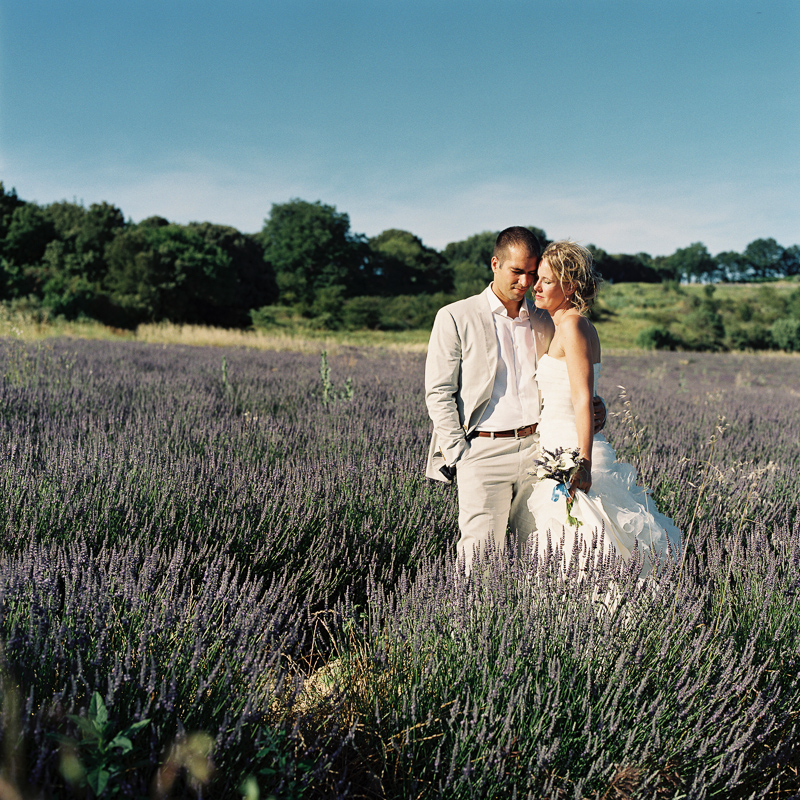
(576, 341)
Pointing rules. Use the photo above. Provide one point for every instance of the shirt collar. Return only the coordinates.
(496, 304)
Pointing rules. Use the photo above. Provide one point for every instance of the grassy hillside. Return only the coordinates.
(624, 310)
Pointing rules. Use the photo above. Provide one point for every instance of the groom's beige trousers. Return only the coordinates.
(494, 485)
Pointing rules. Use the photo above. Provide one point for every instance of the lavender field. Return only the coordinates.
(255, 579)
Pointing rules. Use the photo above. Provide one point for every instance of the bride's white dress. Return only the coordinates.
(615, 503)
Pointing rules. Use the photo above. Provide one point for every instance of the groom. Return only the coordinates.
(483, 399)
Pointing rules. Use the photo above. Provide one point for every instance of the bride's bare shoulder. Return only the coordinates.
(576, 331)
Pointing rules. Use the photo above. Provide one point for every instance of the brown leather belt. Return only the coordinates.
(518, 433)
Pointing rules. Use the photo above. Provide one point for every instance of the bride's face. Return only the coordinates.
(548, 293)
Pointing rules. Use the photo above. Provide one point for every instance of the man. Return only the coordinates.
(483, 400)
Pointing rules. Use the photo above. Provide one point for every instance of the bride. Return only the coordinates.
(603, 494)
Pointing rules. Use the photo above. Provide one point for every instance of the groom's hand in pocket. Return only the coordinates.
(600, 413)
(448, 472)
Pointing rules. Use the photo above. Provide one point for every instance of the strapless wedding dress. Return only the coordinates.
(615, 503)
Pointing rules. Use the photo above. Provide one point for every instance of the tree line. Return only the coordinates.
(76, 262)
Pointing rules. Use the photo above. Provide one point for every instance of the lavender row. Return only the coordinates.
(237, 509)
(127, 621)
(145, 444)
(524, 682)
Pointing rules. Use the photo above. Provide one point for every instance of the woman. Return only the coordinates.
(602, 493)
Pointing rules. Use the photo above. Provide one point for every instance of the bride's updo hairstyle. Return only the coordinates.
(573, 265)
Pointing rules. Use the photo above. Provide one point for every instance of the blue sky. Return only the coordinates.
(633, 125)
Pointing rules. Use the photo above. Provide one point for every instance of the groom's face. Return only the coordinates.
(514, 273)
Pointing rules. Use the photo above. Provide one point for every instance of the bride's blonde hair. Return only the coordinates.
(573, 265)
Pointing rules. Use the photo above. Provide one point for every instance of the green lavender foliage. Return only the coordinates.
(102, 751)
(329, 393)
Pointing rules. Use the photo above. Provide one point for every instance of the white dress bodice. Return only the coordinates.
(557, 421)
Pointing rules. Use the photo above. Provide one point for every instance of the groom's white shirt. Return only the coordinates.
(515, 399)
(460, 373)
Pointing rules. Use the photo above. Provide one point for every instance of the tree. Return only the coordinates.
(100, 224)
(476, 250)
(401, 264)
(469, 278)
(86, 232)
(791, 260)
(764, 258)
(731, 266)
(74, 265)
(8, 202)
(254, 278)
(311, 248)
(27, 236)
(692, 263)
(167, 272)
(624, 268)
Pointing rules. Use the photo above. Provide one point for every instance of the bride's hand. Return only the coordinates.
(582, 479)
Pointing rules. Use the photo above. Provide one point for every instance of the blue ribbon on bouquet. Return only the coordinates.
(558, 489)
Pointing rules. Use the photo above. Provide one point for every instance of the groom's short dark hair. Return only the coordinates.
(517, 236)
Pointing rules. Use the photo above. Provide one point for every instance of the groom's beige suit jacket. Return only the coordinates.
(460, 371)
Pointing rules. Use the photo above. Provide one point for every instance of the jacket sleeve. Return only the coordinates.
(443, 387)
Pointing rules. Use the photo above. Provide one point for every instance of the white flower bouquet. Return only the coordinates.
(559, 466)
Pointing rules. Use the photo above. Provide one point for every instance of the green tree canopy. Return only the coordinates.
(254, 278)
(691, 263)
(29, 232)
(476, 250)
(400, 263)
(87, 233)
(731, 266)
(311, 248)
(764, 258)
(8, 202)
(791, 260)
(168, 272)
(622, 268)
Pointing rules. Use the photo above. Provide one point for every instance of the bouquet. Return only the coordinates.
(559, 465)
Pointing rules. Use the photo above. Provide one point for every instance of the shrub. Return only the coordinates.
(407, 312)
(744, 310)
(658, 338)
(362, 312)
(705, 328)
(786, 333)
(753, 337)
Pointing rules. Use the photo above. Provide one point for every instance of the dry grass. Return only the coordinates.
(302, 341)
(35, 327)
(206, 336)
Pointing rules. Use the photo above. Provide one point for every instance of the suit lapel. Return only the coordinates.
(489, 335)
